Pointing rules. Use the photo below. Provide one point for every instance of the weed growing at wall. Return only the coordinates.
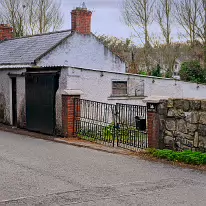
(188, 157)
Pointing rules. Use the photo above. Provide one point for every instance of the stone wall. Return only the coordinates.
(183, 124)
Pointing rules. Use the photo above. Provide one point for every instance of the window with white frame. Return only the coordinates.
(119, 88)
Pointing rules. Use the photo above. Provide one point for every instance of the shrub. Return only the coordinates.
(157, 71)
(192, 71)
(188, 156)
(168, 74)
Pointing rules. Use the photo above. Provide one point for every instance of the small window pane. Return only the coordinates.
(119, 88)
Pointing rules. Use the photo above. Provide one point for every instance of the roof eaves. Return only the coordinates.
(52, 48)
(22, 64)
(16, 66)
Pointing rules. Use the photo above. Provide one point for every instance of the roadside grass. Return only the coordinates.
(188, 156)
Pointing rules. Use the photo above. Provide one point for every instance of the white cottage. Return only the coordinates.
(34, 71)
(37, 71)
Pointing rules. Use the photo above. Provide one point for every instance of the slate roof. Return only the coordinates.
(27, 49)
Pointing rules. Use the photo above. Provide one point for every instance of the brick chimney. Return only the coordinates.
(6, 32)
(81, 20)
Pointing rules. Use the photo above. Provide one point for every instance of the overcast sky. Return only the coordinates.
(106, 17)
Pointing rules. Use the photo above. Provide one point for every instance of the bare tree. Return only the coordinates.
(44, 16)
(13, 13)
(164, 18)
(31, 16)
(204, 21)
(164, 10)
(200, 27)
(187, 15)
(138, 14)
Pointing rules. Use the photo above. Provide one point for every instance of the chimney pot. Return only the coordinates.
(6, 32)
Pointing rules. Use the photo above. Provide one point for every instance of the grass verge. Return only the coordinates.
(188, 157)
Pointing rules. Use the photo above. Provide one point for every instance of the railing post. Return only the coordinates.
(77, 115)
(117, 123)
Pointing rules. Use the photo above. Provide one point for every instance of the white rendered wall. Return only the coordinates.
(83, 51)
(6, 92)
(97, 86)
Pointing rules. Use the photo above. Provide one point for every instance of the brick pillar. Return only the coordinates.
(153, 122)
(68, 115)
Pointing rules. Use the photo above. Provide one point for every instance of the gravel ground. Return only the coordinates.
(40, 172)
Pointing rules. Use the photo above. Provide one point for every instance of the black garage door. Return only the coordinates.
(40, 101)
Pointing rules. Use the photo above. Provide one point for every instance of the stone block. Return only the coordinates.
(170, 103)
(183, 104)
(178, 113)
(196, 140)
(162, 124)
(182, 126)
(202, 130)
(178, 103)
(162, 109)
(187, 144)
(186, 105)
(202, 118)
(170, 125)
(168, 140)
(191, 128)
(203, 105)
(195, 104)
(192, 117)
(171, 113)
(180, 135)
(202, 141)
(168, 133)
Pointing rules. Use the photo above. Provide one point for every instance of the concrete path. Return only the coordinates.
(39, 172)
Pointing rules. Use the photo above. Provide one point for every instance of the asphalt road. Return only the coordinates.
(39, 172)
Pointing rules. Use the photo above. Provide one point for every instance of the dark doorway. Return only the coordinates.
(14, 102)
(40, 101)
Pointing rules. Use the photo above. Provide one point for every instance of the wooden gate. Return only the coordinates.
(40, 101)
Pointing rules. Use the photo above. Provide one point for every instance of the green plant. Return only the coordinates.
(143, 73)
(188, 156)
(127, 135)
(168, 74)
(157, 71)
(108, 132)
(86, 134)
(192, 71)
